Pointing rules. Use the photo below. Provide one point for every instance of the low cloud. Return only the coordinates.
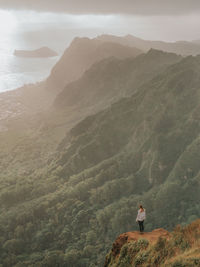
(134, 7)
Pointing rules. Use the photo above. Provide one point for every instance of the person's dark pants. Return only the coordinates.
(141, 225)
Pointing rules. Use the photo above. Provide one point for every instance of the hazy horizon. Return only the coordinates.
(148, 27)
(98, 127)
(35, 24)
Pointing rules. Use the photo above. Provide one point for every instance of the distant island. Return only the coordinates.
(41, 52)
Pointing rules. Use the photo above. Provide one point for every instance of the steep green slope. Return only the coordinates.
(32, 131)
(104, 83)
(143, 148)
(159, 113)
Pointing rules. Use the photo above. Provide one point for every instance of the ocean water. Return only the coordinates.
(15, 71)
(28, 30)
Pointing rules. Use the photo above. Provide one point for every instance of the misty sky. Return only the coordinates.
(169, 20)
(134, 7)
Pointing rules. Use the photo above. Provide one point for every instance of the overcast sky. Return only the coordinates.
(168, 20)
(135, 7)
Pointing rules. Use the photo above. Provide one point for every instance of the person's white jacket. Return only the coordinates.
(141, 216)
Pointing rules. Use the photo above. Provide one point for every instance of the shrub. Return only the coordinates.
(143, 243)
(161, 243)
(133, 248)
(125, 262)
(178, 264)
(141, 258)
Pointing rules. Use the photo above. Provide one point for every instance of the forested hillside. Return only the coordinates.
(68, 204)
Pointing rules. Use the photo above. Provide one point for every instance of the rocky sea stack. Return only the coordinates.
(41, 52)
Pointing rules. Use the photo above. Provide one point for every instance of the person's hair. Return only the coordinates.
(141, 207)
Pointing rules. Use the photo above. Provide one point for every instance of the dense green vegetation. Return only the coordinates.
(66, 208)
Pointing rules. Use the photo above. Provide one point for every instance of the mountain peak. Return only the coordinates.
(132, 37)
(78, 40)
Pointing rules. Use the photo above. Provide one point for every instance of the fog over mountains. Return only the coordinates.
(81, 54)
(115, 124)
(180, 47)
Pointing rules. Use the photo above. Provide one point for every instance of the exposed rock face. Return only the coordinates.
(41, 52)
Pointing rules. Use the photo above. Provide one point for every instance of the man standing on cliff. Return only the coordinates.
(141, 216)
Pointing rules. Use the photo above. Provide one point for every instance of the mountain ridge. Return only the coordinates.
(184, 48)
(124, 75)
(80, 55)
